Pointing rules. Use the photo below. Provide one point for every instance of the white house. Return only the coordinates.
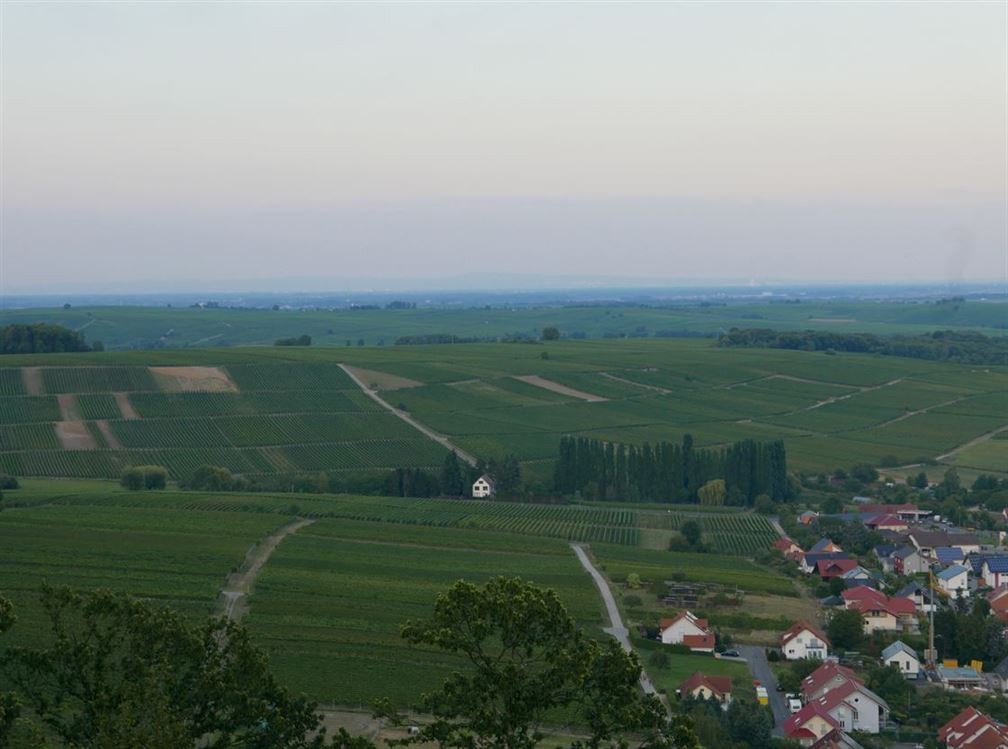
(954, 581)
(995, 571)
(855, 707)
(904, 657)
(483, 487)
(802, 640)
(686, 629)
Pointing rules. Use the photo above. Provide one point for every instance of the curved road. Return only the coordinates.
(616, 627)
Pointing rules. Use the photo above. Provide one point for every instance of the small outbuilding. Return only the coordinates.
(904, 657)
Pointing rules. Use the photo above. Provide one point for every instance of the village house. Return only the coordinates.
(859, 575)
(880, 612)
(954, 581)
(922, 597)
(686, 629)
(927, 541)
(958, 677)
(995, 570)
(828, 676)
(947, 555)
(788, 548)
(810, 724)
(907, 560)
(886, 523)
(703, 687)
(802, 640)
(483, 487)
(1001, 672)
(824, 546)
(807, 517)
(809, 561)
(903, 657)
(972, 729)
(855, 707)
(998, 599)
(908, 512)
(827, 569)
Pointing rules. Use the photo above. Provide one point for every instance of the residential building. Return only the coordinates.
(824, 546)
(907, 560)
(808, 517)
(827, 569)
(803, 640)
(948, 555)
(809, 561)
(686, 629)
(954, 581)
(922, 596)
(704, 687)
(828, 676)
(1001, 672)
(886, 523)
(908, 512)
(880, 612)
(927, 541)
(999, 601)
(958, 677)
(788, 548)
(995, 570)
(855, 707)
(972, 729)
(483, 487)
(903, 657)
(810, 724)
(859, 574)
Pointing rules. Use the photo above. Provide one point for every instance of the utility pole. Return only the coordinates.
(931, 657)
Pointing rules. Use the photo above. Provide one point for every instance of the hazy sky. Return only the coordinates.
(674, 141)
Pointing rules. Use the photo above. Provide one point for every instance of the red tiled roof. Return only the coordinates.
(971, 729)
(797, 628)
(699, 642)
(784, 544)
(886, 521)
(999, 597)
(720, 685)
(863, 598)
(960, 723)
(700, 623)
(794, 727)
(827, 568)
(814, 681)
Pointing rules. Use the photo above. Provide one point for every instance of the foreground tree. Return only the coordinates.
(846, 629)
(118, 672)
(529, 659)
(8, 701)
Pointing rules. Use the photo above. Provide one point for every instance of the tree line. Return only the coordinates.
(42, 338)
(670, 472)
(941, 345)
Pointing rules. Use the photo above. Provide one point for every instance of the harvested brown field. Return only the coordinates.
(125, 407)
(106, 431)
(74, 435)
(376, 380)
(32, 378)
(192, 379)
(556, 387)
(68, 407)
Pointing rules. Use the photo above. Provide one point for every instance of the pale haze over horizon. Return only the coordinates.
(164, 142)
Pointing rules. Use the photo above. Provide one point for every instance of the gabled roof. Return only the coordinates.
(699, 642)
(899, 647)
(797, 628)
(835, 567)
(913, 588)
(1001, 669)
(794, 727)
(857, 571)
(933, 539)
(864, 599)
(720, 685)
(951, 572)
(842, 692)
(822, 545)
(822, 675)
(960, 722)
(784, 544)
(996, 563)
(813, 559)
(883, 521)
(904, 551)
(885, 550)
(949, 554)
(999, 596)
(688, 616)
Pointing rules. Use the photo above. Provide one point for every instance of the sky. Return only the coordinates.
(147, 144)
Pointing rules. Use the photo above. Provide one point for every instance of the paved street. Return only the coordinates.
(760, 669)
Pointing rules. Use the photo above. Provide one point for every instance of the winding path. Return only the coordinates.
(423, 428)
(239, 584)
(616, 627)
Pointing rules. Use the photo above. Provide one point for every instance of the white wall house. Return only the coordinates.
(995, 571)
(856, 708)
(903, 657)
(954, 581)
(483, 487)
(687, 629)
(802, 640)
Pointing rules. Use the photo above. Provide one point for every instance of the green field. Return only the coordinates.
(123, 327)
(328, 605)
(295, 411)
